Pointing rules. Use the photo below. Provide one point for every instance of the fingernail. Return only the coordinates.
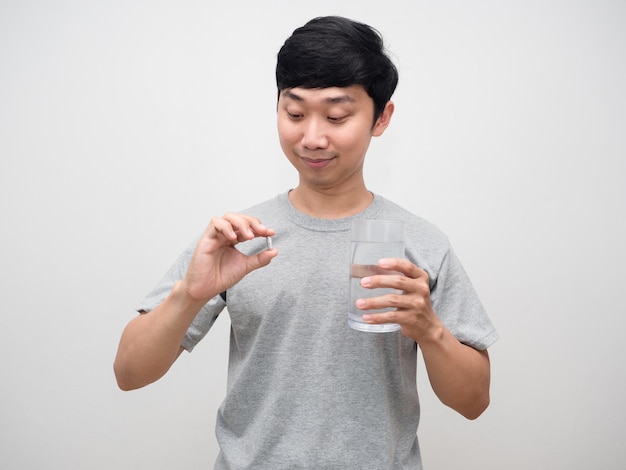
(366, 281)
(360, 303)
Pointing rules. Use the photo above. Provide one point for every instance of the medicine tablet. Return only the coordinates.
(268, 242)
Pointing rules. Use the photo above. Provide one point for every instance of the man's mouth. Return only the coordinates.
(317, 163)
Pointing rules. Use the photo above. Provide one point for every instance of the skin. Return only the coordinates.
(332, 125)
(325, 134)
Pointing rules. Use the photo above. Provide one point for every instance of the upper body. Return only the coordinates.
(299, 378)
(328, 111)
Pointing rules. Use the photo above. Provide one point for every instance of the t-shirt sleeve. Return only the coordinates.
(205, 319)
(457, 304)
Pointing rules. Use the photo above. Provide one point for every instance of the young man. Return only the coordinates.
(305, 390)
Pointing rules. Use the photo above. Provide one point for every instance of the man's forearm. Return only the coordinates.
(459, 374)
(151, 342)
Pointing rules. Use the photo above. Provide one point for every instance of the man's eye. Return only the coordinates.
(294, 115)
(337, 118)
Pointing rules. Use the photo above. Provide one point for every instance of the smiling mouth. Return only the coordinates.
(317, 163)
(316, 160)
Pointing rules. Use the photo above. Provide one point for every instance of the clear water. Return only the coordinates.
(359, 271)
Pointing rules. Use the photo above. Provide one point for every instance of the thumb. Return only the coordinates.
(261, 259)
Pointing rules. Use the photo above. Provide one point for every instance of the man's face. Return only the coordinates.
(325, 133)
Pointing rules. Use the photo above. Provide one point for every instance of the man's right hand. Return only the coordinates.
(216, 263)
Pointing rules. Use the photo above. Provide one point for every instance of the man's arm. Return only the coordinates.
(151, 342)
(459, 374)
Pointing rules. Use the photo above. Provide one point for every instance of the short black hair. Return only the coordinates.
(333, 51)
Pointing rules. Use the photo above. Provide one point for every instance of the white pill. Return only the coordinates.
(268, 242)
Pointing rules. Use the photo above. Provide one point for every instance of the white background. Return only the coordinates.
(126, 125)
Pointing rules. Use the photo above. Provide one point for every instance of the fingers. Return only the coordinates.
(410, 308)
(404, 266)
(410, 282)
(235, 228)
(239, 228)
(399, 274)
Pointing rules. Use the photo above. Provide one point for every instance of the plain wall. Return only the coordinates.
(126, 125)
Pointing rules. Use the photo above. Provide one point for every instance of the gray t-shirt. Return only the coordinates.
(304, 389)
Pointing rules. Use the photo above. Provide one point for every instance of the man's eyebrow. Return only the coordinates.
(331, 99)
(291, 95)
(340, 99)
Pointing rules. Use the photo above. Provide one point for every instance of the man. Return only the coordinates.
(305, 390)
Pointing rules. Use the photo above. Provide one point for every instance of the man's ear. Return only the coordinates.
(383, 120)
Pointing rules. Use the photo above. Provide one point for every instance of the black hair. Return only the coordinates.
(333, 51)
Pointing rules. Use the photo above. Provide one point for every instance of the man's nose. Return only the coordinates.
(314, 135)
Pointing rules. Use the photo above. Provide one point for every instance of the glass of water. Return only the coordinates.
(371, 240)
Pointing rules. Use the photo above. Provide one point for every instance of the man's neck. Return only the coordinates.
(330, 205)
